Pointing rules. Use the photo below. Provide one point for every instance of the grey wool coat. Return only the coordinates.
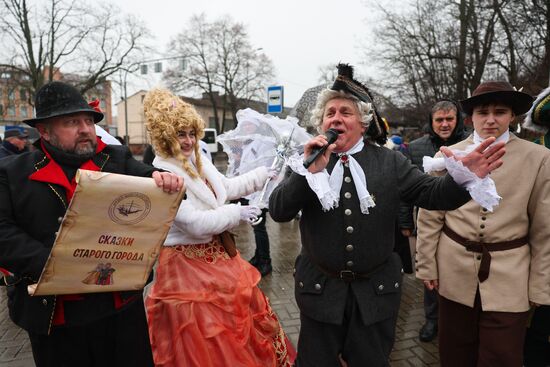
(345, 239)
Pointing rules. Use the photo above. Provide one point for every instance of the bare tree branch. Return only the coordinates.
(221, 60)
(92, 43)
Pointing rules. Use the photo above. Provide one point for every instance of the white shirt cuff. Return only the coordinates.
(482, 190)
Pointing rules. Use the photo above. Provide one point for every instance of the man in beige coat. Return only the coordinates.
(490, 265)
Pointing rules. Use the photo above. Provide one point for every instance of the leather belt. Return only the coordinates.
(484, 249)
(349, 275)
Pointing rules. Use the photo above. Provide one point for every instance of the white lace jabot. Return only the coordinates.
(327, 187)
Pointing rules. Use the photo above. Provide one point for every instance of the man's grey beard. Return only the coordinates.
(81, 151)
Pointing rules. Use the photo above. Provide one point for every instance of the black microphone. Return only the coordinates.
(331, 135)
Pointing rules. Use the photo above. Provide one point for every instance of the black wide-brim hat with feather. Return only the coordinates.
(59, 99)
(346, 83)
(498, 92)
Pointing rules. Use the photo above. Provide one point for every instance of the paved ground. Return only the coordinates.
(279, 287)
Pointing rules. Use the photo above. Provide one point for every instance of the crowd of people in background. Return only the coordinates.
(469, 221)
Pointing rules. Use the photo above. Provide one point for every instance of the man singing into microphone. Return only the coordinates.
(348, 280)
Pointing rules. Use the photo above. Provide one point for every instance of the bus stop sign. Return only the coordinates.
(275, 99)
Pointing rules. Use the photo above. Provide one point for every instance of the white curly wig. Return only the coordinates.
(365, 109)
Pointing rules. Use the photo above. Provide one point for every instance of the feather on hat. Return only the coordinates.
(538, 117)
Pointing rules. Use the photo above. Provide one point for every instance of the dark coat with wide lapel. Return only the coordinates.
(345, 239)
(30, 214)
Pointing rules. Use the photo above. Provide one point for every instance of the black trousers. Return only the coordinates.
(118, 340)
(262, 238)
(536, 352)
(320, 343)
(431, 304)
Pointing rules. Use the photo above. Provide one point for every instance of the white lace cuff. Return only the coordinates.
(433, 164)
(318, 182)
(482, 190)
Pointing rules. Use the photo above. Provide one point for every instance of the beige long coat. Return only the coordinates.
(517, 276)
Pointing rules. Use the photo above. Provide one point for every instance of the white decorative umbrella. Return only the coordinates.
(262, 140)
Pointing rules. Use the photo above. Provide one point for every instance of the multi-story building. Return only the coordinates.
(16, 100)
(15, 97)
(135, 128)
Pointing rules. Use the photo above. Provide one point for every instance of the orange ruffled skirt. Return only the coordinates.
(205, 310)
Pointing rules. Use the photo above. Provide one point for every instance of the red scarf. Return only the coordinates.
(53, 173)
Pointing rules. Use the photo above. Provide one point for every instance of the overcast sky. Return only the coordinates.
(298, 35)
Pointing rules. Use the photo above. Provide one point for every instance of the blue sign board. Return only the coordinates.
(275, 99)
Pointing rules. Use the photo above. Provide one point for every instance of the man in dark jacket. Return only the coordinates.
(445, 128)
(348, 279)
(95, 329)
(15, 142)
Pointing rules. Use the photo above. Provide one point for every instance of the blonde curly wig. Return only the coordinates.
(166, 115)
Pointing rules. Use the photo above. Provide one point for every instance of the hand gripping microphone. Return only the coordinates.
(331, 135)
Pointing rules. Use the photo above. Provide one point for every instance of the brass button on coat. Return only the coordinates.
(44, 301)
(60, 219)
(347, 212)
(381, 287)
(396, 285)
(347, 195)
(317, 286)
(347, 179)
(349, 264)
(301, 284)
(349, 248)
(349, 229)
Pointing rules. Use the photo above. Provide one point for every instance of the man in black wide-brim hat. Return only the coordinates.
(96, 329)
(348, 279)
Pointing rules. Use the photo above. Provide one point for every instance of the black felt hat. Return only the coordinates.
(59, 99)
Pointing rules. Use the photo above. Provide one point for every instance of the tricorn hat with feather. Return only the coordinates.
(345, 82)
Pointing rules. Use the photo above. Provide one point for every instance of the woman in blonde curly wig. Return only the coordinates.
(205, 309)
(167, 116)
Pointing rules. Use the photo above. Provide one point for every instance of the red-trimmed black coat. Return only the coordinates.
(30, 214)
